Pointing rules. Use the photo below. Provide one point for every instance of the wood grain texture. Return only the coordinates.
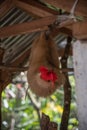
(34, 8)
(27, 27)
(81, 8)
(80, 30)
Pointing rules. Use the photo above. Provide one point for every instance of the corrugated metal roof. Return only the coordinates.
(16, 45)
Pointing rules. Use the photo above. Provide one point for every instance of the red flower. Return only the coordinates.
(47, 75)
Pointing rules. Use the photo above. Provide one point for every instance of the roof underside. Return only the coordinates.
(16, 45)
(22, 20)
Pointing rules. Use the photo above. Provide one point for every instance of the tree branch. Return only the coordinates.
(67, 88)
(35, 104)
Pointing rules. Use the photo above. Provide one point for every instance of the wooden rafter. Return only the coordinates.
(27, 27)
(21, 69)
(81, 8)
(1, 54)
(77, 29)
(80, 30)
(34, 8)
(5, 7)
(63, 30)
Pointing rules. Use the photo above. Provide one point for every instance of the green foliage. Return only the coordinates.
(20, 110)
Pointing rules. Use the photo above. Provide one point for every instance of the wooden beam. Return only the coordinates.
(13, 68)
(35, 26)
(34, 8)
(5, 7)
(1, 54)
(80, 30)
(81, 8)
(21, 69)
(22, 29)
(64, 30)
(28, 27)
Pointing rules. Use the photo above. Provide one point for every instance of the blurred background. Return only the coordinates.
(21, 109)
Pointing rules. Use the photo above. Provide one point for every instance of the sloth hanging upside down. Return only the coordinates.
(44, 76)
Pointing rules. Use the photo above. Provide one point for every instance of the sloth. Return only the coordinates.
(44, 75)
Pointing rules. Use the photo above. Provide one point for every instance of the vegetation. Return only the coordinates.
(21, 110)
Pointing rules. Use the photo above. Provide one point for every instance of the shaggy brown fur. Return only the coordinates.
(43, 53)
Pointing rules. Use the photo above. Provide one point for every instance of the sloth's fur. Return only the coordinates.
(43, 53)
